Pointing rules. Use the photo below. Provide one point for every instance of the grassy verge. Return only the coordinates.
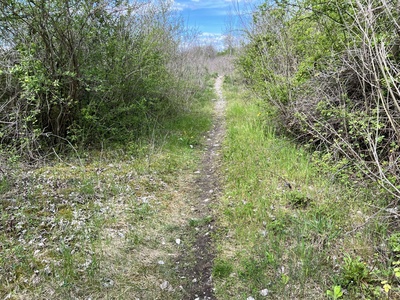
(106, 225)
(290, 231)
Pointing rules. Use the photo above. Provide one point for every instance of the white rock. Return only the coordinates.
(178, 241)
(164, 285)
(161, 262)
(264, 292)
(250, 298)
(108, 282)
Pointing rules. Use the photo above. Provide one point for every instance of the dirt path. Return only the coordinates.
(206, 190)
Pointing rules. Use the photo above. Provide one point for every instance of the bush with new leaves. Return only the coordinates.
(332, 70)
(81, 71)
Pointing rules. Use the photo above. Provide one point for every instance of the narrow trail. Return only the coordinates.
(206, 191)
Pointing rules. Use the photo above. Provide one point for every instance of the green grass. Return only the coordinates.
(222, 269)
(103, 225)
(288, 227)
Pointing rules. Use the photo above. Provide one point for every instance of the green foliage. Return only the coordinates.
(297, 199)
(336, 293)
(354, 272)
(200, 222)
(332, 75)
(222, 268)
(4, 185)
(287, 216)
(394, 242)
(82, 71)
(78, 227)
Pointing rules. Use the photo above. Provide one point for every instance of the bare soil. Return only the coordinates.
(196, 261)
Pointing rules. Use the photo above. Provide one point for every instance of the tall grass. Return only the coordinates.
(286, 227)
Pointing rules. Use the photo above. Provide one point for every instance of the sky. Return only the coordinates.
(212, 18)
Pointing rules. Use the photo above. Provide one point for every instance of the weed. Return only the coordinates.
(4, 185)
(394, 242)
(222, 268)
(335, 293)
(200, 222)
(354, 272)
(251, 268)
(297, 199)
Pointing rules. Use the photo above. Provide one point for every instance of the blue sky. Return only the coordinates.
(210, 17)
(207, 15)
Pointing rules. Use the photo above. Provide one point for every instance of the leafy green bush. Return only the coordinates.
(335, 84)
(80, 72)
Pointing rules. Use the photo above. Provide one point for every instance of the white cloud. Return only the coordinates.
(178, 6)
(209, 4)
(215, 39)
(203, 4)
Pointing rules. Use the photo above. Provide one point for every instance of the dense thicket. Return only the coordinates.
(332, 70)
(80, 71)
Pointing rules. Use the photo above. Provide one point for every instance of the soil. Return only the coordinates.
(198, 260)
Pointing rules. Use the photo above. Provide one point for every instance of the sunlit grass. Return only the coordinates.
(285, 224)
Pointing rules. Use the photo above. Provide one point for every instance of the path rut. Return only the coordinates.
(206, 191)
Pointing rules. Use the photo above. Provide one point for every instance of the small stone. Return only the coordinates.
(108, 283)
(264, 292)
(161, 262)
(178, 241)
(250, 298)
(145, 200)
(164, 285)
(194, 280)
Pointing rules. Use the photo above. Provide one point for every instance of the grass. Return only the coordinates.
(288, 227)
(104, 225)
